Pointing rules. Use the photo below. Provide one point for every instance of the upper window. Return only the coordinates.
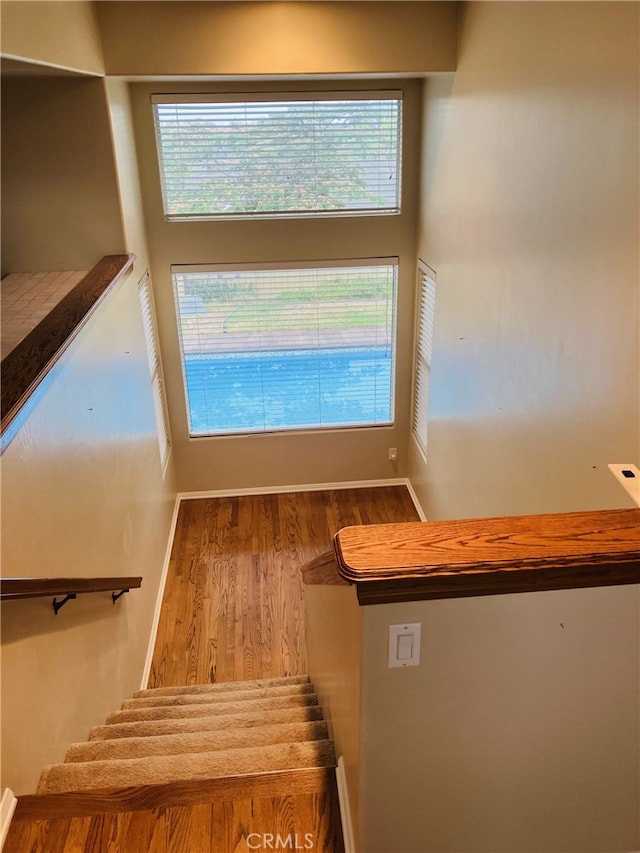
(289, 155)
(302, 346)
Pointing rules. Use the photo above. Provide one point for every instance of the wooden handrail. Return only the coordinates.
(12, 588)
(490, 556)
(25, 368)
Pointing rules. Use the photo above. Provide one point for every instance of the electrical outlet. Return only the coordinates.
(629, 478)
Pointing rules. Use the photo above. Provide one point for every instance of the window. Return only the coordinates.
(155, 368)
(294, 154)
(301, 346)
(425, 310)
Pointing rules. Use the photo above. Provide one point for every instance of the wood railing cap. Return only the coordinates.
(491, 555)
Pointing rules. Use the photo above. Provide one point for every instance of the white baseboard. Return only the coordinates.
(7, 808)
(163, 581)
(299, 487)
(345, 808)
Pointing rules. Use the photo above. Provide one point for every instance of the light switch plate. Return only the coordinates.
(404, 644)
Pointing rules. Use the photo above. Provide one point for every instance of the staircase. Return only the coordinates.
(174, 734)
(257, 751)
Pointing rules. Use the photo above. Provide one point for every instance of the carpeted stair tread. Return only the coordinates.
(207, 741)
(223, 686)
(84, 776)
(210, 708)
(221, 722)
(194, 698)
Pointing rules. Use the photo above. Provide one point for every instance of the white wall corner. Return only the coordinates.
(7, 808)
(163, 582)
(345, 808)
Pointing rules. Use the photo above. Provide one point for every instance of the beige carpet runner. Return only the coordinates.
(203, 731)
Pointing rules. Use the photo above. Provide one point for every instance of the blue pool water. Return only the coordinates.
(243, 392)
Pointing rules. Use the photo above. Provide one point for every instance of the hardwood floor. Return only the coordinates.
(201, 821)
(233, 606)
(233, 610)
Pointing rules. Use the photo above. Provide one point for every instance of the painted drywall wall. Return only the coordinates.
(530, 219)
(60, 206)
(60, 34)
(82, 495)
(251, 38)
(300, 457)
(333, 624)
(126, 164)
(518, 731)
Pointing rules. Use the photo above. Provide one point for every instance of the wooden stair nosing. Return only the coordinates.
(209, 709)
(300, 713)
(58, 778)
(223, 686)
(180, 793)
(204, 741)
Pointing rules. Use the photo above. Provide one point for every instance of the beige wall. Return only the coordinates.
(60, 207)
(82, 495)
(530, 218)
(61, 34)
(251, 38)
(294, 458)
(334, 647)
(518, 731)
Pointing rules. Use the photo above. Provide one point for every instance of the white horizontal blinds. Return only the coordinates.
(275, 157)
(293, 348)
(422, 363)
(155, 368)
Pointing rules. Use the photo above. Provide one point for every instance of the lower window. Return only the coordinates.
(294, 347)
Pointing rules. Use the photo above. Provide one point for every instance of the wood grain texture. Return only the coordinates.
(28, 365)
(488, 556)
(13, 588)
(233, 605)
(219, 823)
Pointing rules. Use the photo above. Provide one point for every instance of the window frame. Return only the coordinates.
(158, 390)
(391, 261)
(422, 355)
(275, 97)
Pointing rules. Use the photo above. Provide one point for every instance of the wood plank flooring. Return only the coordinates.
(233, 606)
(233, 610)
(215, 825)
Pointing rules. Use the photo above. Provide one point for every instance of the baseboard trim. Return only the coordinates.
(345, 808)
(298, 487)
(7, 808)
(158, 608)
(415, 500)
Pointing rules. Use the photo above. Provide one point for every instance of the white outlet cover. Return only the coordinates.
(629, 478)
